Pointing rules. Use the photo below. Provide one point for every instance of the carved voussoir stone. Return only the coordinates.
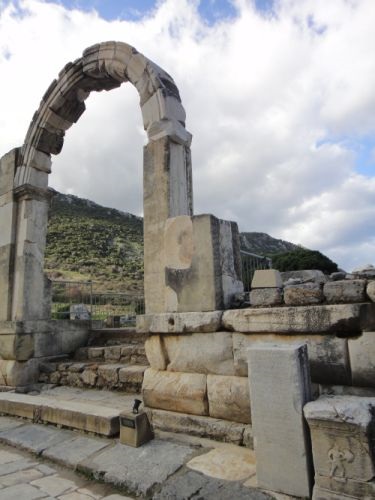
(49, 142)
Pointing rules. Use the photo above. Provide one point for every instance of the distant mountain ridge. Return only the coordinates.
(264, 244)
(86, 241)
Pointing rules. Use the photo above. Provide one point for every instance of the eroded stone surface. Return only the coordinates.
(279, 388)
(262, 297)
(138, 469)
(182, 392)
(230, 463)
(228, 398)
(342, 432)
(340, 319)
(345, 291)
(328, 354)
(201, 322)
(206, 427)
(303, 294)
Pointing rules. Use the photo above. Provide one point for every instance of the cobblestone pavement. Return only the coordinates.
(24, 477)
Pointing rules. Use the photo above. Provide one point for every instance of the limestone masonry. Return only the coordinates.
(305, 345)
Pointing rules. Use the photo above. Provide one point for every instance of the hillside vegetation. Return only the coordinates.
(86, 241)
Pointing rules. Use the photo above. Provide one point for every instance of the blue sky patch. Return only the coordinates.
(363, 149)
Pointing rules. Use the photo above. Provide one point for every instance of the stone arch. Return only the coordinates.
(167, 170)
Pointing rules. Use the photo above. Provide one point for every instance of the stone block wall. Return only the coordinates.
(198, 361)
(23, 344)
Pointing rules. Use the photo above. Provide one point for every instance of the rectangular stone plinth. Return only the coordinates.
(342, 319)
(342, 434)
(279, 388)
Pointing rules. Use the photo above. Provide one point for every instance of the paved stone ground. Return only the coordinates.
(163, 469)
(23, 477)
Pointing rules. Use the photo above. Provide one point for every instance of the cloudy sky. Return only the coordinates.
(279, 95)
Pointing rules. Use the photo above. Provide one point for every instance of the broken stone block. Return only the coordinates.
(345, 291)
(342, 434)
(266, 278)
(279, 388)
(181, 392)
(303, 294)
(263, 297)
(362, 359)
(314, 275)
(228, 398)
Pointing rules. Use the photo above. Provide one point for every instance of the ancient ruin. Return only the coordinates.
(317, 334)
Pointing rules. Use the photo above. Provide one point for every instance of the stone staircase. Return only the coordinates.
(88, 390)
(115, 359)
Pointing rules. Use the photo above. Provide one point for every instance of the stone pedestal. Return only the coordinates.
(343, 435)
(279, 388)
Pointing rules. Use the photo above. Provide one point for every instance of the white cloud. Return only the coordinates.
(265, 96)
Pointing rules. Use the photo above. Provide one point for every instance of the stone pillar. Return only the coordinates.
(279, 388)
(167, 192)
(7, 232)
(30, 298)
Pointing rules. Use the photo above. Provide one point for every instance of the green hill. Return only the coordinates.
(86, 241)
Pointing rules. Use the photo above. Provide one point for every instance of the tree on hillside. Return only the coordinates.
(302, 258)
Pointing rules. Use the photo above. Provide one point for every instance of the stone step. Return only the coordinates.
(200, 426)
(84, 416)
(108, 336)
(124, 353)
(127, 378)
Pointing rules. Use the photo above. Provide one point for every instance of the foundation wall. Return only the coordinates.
(198, 361)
